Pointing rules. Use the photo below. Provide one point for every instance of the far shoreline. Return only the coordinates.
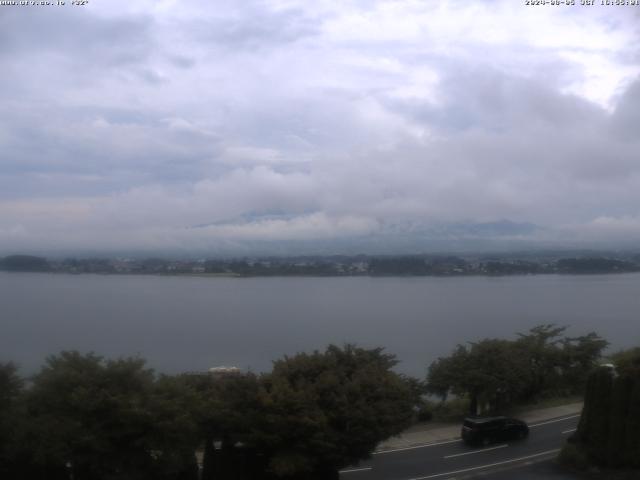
(311, 275)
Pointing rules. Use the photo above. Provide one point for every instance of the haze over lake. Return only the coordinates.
(193, 323)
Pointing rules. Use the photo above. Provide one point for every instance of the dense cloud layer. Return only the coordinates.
(217, 126)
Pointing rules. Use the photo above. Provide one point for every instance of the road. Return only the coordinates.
(454, 459)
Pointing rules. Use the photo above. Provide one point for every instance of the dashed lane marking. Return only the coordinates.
(417, 446)
(554, 421)
(352, 470)
(476, 451)
(480, 467)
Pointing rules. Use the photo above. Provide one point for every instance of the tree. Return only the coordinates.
(579, 356)
(10, 386)
(326, 410)
(607, 432)
(92, 416)
(227, 411)
(175, 436)
(626, 361)
(540, 347)
(11, 416)
(445, 373)
(489, 372)
(24, 263)
(500, 373)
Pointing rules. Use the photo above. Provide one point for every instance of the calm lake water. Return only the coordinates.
(192, 323)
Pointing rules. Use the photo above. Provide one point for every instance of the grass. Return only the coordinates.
(547, 403)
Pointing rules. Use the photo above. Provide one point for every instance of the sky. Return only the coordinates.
(328, 126)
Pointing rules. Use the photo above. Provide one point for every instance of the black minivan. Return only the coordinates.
(486, 430)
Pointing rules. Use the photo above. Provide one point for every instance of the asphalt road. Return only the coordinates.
(545, 470)
(454, 459)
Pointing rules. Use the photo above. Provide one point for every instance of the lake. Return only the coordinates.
(193, 323)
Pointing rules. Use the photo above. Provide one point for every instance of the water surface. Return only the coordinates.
(192, 323)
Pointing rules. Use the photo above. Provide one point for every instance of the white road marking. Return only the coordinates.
(570, 430)
(351, 470)
(548, 452)
(417, 446)
(476, 451)
(554, 421)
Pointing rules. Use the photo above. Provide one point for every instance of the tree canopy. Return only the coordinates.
(331, 409)
(89, 418)
(499, 373)
(607, 434)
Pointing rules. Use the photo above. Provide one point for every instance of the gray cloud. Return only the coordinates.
(252, 26)
(376, 122)
(130, 145)
(627, 115)
(70, 34)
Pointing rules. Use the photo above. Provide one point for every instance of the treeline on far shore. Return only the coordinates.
(358, 265)
(86, 417)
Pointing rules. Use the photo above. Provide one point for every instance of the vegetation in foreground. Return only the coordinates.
(607, 435)
(495, 375)
(89, 418)
(84, 417)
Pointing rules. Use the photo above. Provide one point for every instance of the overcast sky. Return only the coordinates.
(209, 125)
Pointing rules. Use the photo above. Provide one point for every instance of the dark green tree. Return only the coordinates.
(499, 373)
(579, 356)
(175, 435)
(631, 455)
(92, 416)
(490, 373)
(444, 374)
(626, 361)
(330, 409)
(607, 432)
(11, 421)
(541, 349)
(228, 409)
